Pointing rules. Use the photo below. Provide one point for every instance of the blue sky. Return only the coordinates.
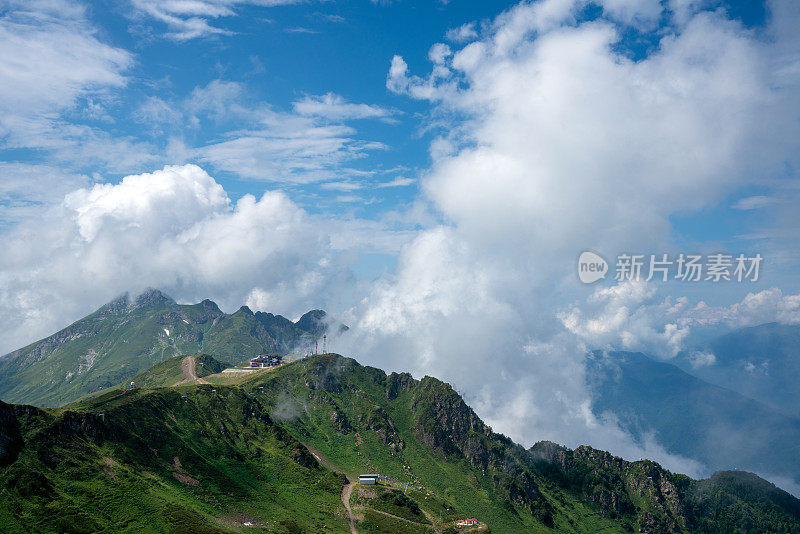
(281, 54)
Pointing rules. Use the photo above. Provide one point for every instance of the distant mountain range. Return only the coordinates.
(279, 451)
(729, 404)
(127, 336)
(760, 362)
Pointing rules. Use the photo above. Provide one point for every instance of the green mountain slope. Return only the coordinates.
(423, 431)
(202, 458)
(157, 461)
(126, 337)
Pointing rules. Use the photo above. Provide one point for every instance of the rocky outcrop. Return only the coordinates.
(379, 422)
(642, 489)
(444, 423)
(397, 383)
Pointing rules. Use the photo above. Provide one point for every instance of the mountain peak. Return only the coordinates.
(152, 298)
(313, 322)
(209, 304)
(246, 310)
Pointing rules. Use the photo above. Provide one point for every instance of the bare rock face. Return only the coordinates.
(10, 438)
(447, 425)
(616, 485)
(379, 422)
(397, 383)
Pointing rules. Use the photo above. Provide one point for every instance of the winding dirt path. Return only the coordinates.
(189, 370)
(347, 491)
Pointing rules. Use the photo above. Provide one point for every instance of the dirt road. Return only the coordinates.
(347, 491)
(189, 370)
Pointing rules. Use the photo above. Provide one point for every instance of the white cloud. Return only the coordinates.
(287, 149)
(398, 181)
(769, 305)
(155, 112)
(54, 71)
(564, 143)
(50, 58)
(462, 34)
(334, 107)
(753, 203)
(218, 99)
(535, 166)
(301, 29)
(191, 19)
(702, 359)
(27, 190)
(299, 147)
(174, 229)
(179, 195)
(643, 13)
(632, 316)
(342, 186)
(628, 316)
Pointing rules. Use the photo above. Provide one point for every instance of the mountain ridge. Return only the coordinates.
(130, 334)
(210, 458)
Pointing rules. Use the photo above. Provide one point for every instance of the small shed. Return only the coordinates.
(368, 480)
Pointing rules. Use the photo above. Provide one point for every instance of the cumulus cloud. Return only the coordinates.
(634, 316)
(537, 164)
(174, 229)
(533, 164)
(769, 305)
(702, 358)
(628, 316)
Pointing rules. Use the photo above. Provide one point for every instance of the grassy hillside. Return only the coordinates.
(127, 337)
(423, 433)
(168, 460)
(176, 370)
(269, 452)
